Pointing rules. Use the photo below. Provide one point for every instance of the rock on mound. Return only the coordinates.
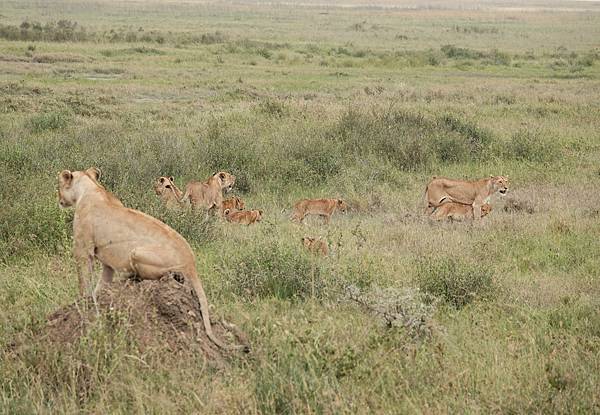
(164, 313)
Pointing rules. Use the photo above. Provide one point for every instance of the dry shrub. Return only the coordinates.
(513, 205)
(409, 309)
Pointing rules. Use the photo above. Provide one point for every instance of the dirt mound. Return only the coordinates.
(164, 313)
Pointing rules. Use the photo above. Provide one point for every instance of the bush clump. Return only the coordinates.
(455, 282)
(53, 120)
(270, 269)
(408, 309)
(529, 145)
(409, 140)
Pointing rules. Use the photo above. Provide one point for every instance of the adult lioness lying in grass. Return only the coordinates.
(123, 240)
(458, 211)
(475, 193)
(322, 207)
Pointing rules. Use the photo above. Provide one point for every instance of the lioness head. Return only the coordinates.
(67, 194)
(163, 183)
(500, 184)
(342, 206)
(485, 209)
(259, 215)
(227, 180)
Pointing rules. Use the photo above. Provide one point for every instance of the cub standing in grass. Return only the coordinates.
(322, 207)
(475, 193)
(123, 240)
(458, 211)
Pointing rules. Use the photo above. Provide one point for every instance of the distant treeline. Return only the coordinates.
(69, 31)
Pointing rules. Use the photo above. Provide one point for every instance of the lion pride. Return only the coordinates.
(475, 193)
(243, 217)
(322, 207)
(123, 240)
(458, 211)
(208, 194)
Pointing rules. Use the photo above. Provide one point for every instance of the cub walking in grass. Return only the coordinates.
(322, 207)
(458, 211)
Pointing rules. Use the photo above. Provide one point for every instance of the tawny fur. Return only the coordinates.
(243, 217)
(123, 240)
(474, 193)
(168, 192)
(233, 203)
(315, 246)
(209, 194)
(458, 211)
(322, 207)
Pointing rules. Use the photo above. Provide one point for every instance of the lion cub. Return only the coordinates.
(458, 211)
(322, 207)
(243, 217)
(233, 203)
(315, 246)
(168, 192)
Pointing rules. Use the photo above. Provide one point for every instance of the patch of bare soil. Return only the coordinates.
(164, 313)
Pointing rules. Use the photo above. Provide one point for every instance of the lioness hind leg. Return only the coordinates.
(149, 262)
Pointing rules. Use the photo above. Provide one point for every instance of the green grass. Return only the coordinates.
(361, 103)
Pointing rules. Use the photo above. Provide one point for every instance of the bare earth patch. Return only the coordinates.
(164, 313)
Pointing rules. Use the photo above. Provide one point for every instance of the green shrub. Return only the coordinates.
(530, 145)
(455, 282)
(48, 121)
(272, 269)
(409, 140)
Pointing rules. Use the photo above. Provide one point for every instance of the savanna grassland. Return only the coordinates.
(361, 102)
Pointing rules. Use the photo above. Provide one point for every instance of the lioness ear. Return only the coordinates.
(94, 173)
(340, 201)
(162, 179)
(222, 175)
(172, 179)
(65, 176)
(491, 176)
(226, 212)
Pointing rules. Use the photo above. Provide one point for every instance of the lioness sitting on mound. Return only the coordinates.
(315, 246)
(208, 194)
(167, 190)
(458, 211)
(475, 193)
(233, 203)
(123, 240)
(322, 207)
(243, 217)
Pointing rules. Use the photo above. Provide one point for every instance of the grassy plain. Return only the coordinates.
(364, 102)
